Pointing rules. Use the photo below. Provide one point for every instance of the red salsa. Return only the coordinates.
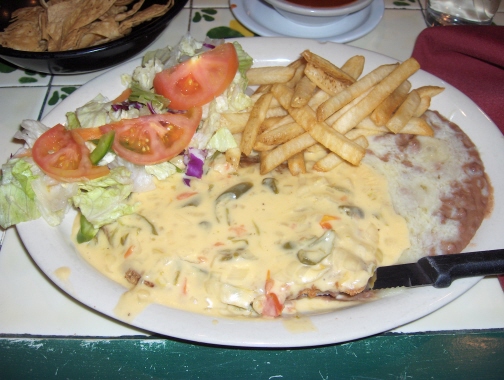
(321, 3)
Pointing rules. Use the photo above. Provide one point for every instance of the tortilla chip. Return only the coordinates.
(59, 25)
(99, 32)
(24, 31)
(125, 14)
(153, 11)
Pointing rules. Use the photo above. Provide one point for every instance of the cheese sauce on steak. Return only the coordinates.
(223, 245)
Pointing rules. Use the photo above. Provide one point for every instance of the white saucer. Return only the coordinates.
(262, 19)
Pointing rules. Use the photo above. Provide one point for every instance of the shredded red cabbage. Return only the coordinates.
(171, 110)
(126, 105)
(151, 108)
(194, 159)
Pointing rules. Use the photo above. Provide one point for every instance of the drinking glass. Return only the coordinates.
(460, 12)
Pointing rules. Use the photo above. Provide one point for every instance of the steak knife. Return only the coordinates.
(439, 271)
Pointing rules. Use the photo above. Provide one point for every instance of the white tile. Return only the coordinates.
(32, 297)
(18, 103)
(486, 309)
(395, 35)
(218, 24)
(11, 75)
(55, 96)
(172, 34)
(402, 4)
(210, 3)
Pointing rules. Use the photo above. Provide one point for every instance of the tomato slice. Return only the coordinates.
(272, 306)
(198, 80)
(152, 139)
(62, 155)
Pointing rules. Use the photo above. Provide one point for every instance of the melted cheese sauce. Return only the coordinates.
(213, 249)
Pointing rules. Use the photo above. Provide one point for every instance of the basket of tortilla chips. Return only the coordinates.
(77, 36)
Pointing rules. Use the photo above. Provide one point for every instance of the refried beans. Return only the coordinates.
(438, 184)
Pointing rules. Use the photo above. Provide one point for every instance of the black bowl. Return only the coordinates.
(89, 59)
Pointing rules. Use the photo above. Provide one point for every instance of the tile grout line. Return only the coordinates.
(46, 97)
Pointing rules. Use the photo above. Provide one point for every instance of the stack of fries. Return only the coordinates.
(312, 105)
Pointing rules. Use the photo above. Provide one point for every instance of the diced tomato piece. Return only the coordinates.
(272, 306)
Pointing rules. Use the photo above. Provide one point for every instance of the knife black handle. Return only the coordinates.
(445, 268)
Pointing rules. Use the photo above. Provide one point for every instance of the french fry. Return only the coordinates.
(298, 62)
(281, 134)
(353, 91)
(287, 119)
(269, 75)
(274, 103)
(331, 139)
(319, 97)
(429, 91)
(262, 89)
(257, 116)
(303, 92)
(358, 132)
(426, 93)
(423, 106)
(369, 124)
(382, 114)
(323, 80)
(321, 132)
(327, 67)
(335, 116)
(261, 147)
(331, 160)
(418, 126)
(271, 159)
(405, 112)
(298, 74)
(270, 123)
(256, 95)
(233, 157)
(316, 148)
(377, 95)
(276, 111)
(354, 66)
(297, 164)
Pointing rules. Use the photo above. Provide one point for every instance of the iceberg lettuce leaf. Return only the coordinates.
(222, 140)
(17, 198)
(104, 200)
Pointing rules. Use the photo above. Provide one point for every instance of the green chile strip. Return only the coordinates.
(102, 147)
(232, 193)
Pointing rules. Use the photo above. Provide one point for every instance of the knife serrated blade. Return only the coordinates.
(439, 271)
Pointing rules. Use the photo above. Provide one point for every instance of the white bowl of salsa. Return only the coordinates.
(317, 12)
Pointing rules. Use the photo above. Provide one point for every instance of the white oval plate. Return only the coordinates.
(263, 19)
(51, 248)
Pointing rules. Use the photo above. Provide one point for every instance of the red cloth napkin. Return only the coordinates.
(470, 58)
